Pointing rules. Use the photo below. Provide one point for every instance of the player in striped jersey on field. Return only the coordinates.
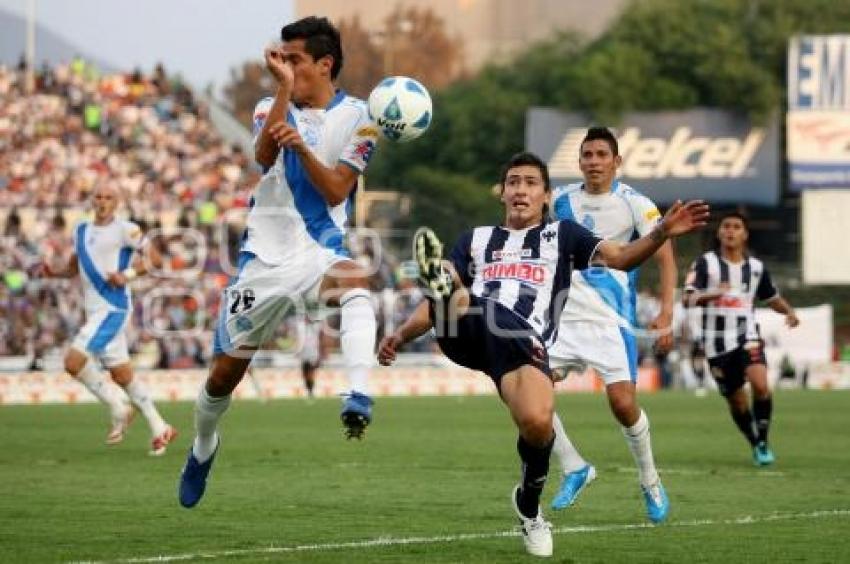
(727, 282)
(495, 306)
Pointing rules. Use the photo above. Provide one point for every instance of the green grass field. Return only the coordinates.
(429, 484)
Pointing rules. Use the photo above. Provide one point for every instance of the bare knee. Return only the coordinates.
(74, 362)
(226, 373)
(623, 406)
(536, 426)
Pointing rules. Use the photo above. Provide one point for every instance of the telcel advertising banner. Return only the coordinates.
(818, 124)
(710, 154)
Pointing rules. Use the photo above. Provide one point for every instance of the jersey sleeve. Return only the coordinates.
(646, 214)
(132, 235)
(576, 245)
(361, 145)
(697, 278)
(461, 258)
(766, 290)
(261, 112)
(561, 205)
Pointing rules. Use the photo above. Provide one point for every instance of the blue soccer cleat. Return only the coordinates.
(193, 479)
(762, 455)
(657, 504)
(356, 414)
(572, 485)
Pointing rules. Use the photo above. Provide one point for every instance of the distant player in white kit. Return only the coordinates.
(313, 142)
(598, 322)
(103, 249)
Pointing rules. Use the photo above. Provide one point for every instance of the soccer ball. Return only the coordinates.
(401, 108)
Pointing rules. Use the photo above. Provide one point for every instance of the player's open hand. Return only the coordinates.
(662, 326)
(287, 137)
(387, 349)
(42, 270)
(791, 320)
(684, 218)
(278, 66)
(117, 279)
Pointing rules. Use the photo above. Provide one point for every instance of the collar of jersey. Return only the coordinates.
(614, 187)
(530, 227)
(338, 96)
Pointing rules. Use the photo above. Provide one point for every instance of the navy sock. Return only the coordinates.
(762, 409)
(535, 468)
(744, 421)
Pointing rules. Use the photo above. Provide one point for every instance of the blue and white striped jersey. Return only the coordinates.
(527, 271)
(289, 216)
(603, 294)
(101, 250)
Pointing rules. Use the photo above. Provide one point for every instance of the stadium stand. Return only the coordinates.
(186, 186)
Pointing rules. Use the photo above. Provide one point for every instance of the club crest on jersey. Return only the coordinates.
(364, 150)
(548, 235)
(529, 272)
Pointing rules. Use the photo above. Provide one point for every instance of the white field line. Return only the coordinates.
(754, 472)
(445, 539)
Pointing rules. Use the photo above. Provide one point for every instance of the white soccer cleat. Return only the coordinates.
(160, 442)
(120, 423)
(536, 532)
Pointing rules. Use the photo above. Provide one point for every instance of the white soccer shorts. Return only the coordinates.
(103, 337)
(606, 347)
(255, 302)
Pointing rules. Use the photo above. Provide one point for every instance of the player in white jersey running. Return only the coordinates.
(727, 282)
(313, 142)
(495, 305)
(103, 250)
(599, 320)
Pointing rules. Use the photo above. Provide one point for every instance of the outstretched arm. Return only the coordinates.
(679, 219)
(668, 275)
(781, 305)
(417, 324)
(71, 269)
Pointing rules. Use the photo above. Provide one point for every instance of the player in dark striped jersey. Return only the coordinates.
(495, 304)
(727, 282)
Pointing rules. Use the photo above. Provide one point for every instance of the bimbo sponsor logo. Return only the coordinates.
(683, 154)
(523, 271)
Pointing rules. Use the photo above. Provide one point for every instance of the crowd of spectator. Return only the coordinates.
(148, 136)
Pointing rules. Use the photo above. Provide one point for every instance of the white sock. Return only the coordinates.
(357, 336)
(141, 397)
(95, 382)
(208, 410)
(637, 437)
(567, 454)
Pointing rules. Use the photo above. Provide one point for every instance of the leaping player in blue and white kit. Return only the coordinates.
(599, 321)
(103, 250)
(313, 142)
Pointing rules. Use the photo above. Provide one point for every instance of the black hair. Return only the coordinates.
(604, 134)
(320, 37)
(730, 215)
(526, 158)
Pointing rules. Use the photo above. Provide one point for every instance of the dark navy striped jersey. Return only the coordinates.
(729, 321)
(528, 270)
